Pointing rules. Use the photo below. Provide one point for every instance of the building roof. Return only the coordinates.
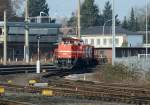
(98, 30)
(18, 28)
(33, 25)
(107, 31)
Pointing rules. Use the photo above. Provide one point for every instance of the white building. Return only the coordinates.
(124, 38)
(102, 41)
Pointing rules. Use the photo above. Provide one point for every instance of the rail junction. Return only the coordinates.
(60, 87)
(88, 90)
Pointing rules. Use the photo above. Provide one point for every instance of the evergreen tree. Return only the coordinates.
(89, 14)
(36, 6)
(73, 21)
(125, 23)
(100, 20)
(137, 26)
(117, 20)
(132, 21)
(148, 23)
(107, 14)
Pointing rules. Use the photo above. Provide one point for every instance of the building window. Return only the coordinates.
(92, 41)
(86, 41)
(117, 41)
(98, 41)
(110, 41)
(104, 41)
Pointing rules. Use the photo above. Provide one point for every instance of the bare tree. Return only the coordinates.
(17, 6)
(6, 5)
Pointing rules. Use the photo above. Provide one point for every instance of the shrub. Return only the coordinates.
(117, 73)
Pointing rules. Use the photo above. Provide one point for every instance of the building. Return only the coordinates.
(103, 38)
(16, 39)
(128, 43)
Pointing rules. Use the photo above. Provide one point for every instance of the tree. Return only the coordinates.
(6, 5)
(107, 14)
(125, 23)
(149, 23)
(137, 26)
(73, 21)
(132, 21)
(89, 14)
(117, 20)
(100, 20)
(16, 4)
(36, 6)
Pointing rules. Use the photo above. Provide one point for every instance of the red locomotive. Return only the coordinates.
(73, 52)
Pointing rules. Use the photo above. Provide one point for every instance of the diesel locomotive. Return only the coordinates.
(73, 52)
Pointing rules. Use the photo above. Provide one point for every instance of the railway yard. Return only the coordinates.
(55, 89)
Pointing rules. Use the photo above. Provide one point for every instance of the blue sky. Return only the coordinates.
(66, 7)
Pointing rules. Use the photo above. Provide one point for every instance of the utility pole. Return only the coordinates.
(113, 33)
(5, 38)
(79, 19)
(26, 55)
(146, 28)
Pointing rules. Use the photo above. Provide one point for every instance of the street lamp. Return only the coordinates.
(40, 17)
(38, 54)
(105, 25)
(146, 28)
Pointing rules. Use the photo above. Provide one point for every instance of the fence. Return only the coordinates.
(137, 63)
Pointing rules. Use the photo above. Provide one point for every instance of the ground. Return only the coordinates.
(22, 79)
(19, 79)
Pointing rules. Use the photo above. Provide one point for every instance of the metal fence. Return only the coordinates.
(135, 63)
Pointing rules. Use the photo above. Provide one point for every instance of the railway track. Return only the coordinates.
(108, 92)
(87, 90)
(10, 102)
(13, 69)
(104, 92)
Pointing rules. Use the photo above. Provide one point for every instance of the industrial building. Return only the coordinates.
(16, 38)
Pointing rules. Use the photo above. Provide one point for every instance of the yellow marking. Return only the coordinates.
(2, 90)
(47, 92)
(31, 82)
(9, 81)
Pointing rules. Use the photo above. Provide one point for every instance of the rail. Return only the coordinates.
(111, 92)
(11, 102)
(13, 69)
